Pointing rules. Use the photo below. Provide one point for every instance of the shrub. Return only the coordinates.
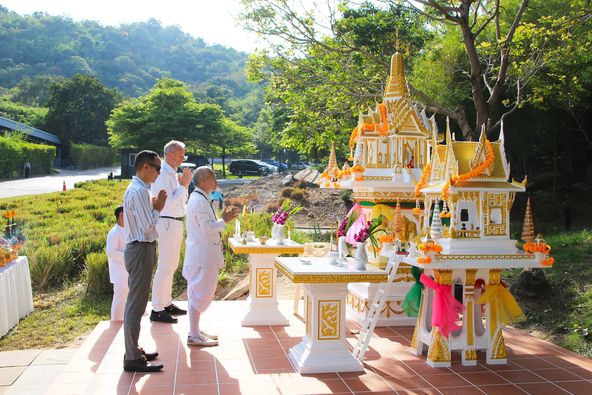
(97, 274)
(88, 156)
(299, 194)
(15, 151)
(235, 201)
(287, 192)
(273, 205)
(49, 266)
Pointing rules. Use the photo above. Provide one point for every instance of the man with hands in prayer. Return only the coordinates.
(203, 253)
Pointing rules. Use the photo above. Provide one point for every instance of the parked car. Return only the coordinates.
(272, 168)
(300, 165)
(241, 167)
(280, 166)
(198, 160)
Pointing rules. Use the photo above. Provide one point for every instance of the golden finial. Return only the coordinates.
(397, 40)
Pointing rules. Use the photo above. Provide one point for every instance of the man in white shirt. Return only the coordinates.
(170, 231)
(203, 252)
(117, 273)
(140, 214)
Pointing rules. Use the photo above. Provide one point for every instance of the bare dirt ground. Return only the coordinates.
(321, 207)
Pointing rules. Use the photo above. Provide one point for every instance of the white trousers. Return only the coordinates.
(170, 236)
(201, 288)
(120, 291)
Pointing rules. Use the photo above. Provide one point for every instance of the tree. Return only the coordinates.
(312, 97)
(169, 111)
(490, 63)
(232, 139)
(78, 109)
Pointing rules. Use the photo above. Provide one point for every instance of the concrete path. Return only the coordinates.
(54, 182)
(31, 372)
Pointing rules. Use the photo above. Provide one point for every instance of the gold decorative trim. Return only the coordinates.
(267, 250)
(490, 257)
(332, 278)
(379, 196)
(438, 351)
(308, 316)
(264, 287)
(498, 347)
(360, 305)
(471, 354)
(329, 314)
(443, 276)
(418, 323)
(470, 278)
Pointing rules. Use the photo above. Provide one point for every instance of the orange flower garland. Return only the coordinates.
(424, 259)
(369, 127)
(533, 247)
(387, 238)
(477, 170)
(430, 247)
(548, 262)
(422, 180)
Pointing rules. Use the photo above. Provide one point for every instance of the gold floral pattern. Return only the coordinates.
(329, 316)
(264, 283)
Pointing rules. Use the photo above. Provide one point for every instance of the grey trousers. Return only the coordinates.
(140, 259)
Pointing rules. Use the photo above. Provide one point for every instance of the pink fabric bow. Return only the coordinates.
(355, 228)
(445, 308)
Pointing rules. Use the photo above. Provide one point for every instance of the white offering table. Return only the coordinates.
(263, 302)
(323, 348)
(472, 336)
(16, 296)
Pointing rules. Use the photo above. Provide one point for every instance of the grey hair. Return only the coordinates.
(173, 145)
(202, 172)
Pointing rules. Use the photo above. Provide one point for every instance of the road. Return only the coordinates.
(52, 183)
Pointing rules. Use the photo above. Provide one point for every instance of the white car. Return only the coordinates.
(300, 165)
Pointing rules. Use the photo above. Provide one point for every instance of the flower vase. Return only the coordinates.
(278, 233)
(361, 257)
(342, 250)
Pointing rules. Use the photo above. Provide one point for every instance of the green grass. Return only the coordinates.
(60, 318)
(564, 315)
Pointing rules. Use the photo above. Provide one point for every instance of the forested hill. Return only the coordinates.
(129, 57)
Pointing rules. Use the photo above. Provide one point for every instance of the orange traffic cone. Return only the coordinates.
(64, 186)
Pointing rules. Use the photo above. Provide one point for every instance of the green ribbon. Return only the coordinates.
(413, 299)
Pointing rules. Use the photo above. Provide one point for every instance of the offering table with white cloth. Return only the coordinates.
(323, 348)
(263, 301)
(16, 296)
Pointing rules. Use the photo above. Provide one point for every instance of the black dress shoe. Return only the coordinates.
(141, 365)
(162, 316)
(174, 310)
(150, 356)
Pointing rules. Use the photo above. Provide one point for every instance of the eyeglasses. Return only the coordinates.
(155, 166)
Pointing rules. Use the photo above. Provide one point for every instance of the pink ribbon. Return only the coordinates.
(445, 308)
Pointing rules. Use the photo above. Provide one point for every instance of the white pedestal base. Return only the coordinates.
(323, 348)
(361, 295)
(328, 360)
(263, 303)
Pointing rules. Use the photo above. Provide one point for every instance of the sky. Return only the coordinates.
(211, 20)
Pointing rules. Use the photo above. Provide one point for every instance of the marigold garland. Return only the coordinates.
(548, 262)
(424, 259)
(387, 238)
(430, 247)
(369, 127)
(422, 180)
(533, 247)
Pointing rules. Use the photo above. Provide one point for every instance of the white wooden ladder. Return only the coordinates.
(375, 308)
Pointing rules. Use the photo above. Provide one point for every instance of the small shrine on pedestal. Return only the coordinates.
(467, 201)
(389, 147)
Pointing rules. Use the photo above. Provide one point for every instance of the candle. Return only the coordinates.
(331, 237)
(236, 228)
(245, 218)
(289, 233)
